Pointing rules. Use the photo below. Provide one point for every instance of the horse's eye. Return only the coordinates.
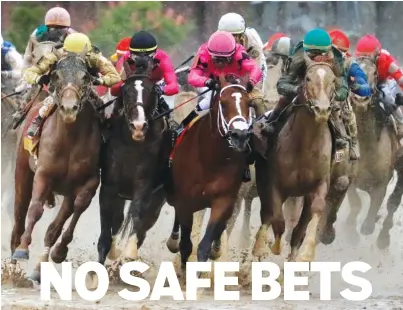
(308, 79)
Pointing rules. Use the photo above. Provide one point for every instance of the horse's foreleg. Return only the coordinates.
(317, 203)
(151, 215)
(185, 218)
(292, 212)
(41, 189)
(393, 203)
(23, 192)
(235, 214)
(377, 197)
(334, 200)
(173, 241)
(298, 233)
(83, 197)
(52, 234)
(221, 210)
(355, 204)
(109, 204)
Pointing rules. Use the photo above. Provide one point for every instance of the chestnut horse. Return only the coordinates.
(67, 164)
(379, 146)
(207, 170)
(133, 164)
(299, 164)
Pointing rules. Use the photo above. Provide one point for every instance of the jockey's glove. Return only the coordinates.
(98, 81)
(159, 90)
(22, 86)
(249, 86)
(212, 84)
(43, 80)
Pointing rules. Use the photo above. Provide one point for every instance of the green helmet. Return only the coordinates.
(317, 39)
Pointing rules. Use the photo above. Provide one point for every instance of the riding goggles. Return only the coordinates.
(221, 59)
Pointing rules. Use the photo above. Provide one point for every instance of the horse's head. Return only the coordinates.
(319, 87)
(70, 82)
(275, 65)
(368, 65)
(139, 98)
(234, 114)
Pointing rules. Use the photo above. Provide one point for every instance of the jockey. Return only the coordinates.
(390, 75)
(222, 54)
(56, 19)
(76, 43)
(281, 47)
(358, 84)
(144, 44)
(269, 44)
(316, 43)
(251, 41)
(121, 48)
(11, 61)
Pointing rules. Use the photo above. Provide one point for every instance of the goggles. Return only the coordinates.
(135, 55)
(221, 60)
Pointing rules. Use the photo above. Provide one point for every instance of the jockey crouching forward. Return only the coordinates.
(318, 47)
(221, 55)
(389, 75)
(77, 43)
(252, 42)
(358, 84)
(11, 62)
(144, 44)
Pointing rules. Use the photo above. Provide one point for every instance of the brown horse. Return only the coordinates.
(207, 169)
(393, 203)
(134, 162)
(67, 164)
(379, 145)
(299, 164)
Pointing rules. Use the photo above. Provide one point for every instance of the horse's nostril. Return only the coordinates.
(62, 108)
(75, 108)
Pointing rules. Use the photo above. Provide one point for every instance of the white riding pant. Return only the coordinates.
(389, 90)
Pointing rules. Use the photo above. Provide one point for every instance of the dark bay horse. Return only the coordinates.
(299, 164)
(379, 145)
(207, 170)
(67, 163)
(134, 162)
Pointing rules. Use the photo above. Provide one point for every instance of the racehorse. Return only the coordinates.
(207, 168)
(66, 163)
(133, 163)
(299, 164)
(379, 145)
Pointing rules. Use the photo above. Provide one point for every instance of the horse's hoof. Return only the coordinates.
(173, 245)
(59, 254)
(383, 241)
(114, 253)
(367, 228)
(215, 253)
(35, 277)
(328, 236)
(21, 254)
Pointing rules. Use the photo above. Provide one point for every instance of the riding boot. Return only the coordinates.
(163, 106)
(273, 117)
(35, 125)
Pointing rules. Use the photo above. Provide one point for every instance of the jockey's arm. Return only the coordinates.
(288, 84)
(110, 76)
(395, 71)
(28, 52)
(255, 50)
(171, 82)
(249, 65)
(16, 62)
(359, 81)
(32, 74)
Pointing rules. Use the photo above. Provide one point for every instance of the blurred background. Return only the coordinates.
(182, 26)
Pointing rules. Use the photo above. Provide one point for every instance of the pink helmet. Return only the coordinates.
(221, 44)
(57, 16)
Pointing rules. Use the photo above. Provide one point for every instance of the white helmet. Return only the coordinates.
(232, 22)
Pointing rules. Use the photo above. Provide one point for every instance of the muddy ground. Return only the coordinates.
(386, 274)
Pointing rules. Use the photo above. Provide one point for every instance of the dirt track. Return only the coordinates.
(386, 274)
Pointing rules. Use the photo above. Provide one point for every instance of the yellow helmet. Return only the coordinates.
(77, 43)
